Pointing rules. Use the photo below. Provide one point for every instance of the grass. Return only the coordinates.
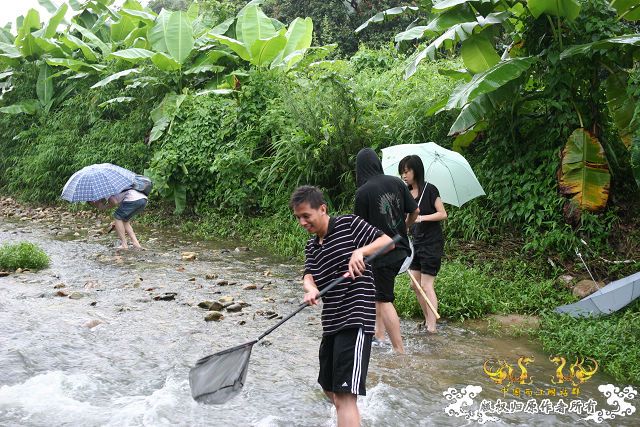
(610, 340)
(22, 255)
(467, 292)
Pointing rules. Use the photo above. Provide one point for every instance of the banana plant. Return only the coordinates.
(259, 41)
(623, 106)
(45, 92)
(492, 80)
(584, 174)
(169, 47)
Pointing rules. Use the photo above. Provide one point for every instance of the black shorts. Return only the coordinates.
(384, 279)
(425, 261)
(344, 361)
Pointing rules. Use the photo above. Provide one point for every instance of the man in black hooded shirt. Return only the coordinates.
(385, 202)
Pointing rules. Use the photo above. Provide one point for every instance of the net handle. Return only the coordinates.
(331, 285)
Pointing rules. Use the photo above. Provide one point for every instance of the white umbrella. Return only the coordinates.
(448, 170)
(611, 298)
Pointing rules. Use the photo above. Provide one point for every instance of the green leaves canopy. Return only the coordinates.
(258, 42)
(563, 8)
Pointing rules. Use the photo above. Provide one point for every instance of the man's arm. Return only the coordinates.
(310, 290)
(411, 218)
(356, 263)
(411, 207)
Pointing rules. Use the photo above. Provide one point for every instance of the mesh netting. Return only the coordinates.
(219, 377)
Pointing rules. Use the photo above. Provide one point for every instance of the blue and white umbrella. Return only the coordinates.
(96, 182)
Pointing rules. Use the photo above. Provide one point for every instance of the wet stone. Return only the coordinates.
(249, 287)
(233, 308)
(4, 273)
(213, 316)
(242, 249)
(211, 276)
(216, 306)
(585, 288)
(61, 294)
(76, 295)
(226, 299)
(59, 286)
(188, 256)
(167, 296)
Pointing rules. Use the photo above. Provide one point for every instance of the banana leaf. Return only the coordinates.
(585, 175)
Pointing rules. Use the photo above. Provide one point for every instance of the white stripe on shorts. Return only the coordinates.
(357, 362)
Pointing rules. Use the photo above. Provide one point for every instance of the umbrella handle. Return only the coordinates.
(424, 295)
(331, 285)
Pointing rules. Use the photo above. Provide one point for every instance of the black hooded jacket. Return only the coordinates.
(383, 201)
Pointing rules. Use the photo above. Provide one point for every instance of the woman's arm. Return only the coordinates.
(439, 215)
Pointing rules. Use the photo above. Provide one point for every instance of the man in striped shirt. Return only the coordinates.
(348, 313)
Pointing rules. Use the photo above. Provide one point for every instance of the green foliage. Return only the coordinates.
(22, 255)
(39, 156)
(611, 340)
(336, 22)
(472, 292)
(157, 5)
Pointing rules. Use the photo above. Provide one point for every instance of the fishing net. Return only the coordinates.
(219, 377)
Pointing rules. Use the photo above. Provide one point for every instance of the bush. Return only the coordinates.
(472, 292)
(22, 255)
(41, 152)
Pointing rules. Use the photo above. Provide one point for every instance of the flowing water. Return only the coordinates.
(115, 354)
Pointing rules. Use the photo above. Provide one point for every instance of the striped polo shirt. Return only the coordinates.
(351, 303)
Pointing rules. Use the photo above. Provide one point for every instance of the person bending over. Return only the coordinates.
(129, 203)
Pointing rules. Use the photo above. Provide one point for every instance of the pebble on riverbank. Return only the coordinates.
(213, 316)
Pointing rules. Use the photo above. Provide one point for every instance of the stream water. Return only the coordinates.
(90, 342)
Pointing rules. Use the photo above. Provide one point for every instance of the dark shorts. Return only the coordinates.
(384, 278)
(425, 261)
(128, 210)
(344, 361)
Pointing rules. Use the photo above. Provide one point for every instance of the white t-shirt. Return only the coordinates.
(127, 196)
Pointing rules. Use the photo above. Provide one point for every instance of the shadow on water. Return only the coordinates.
(92, 341)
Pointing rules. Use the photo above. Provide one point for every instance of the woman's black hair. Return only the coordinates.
(413, 162)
